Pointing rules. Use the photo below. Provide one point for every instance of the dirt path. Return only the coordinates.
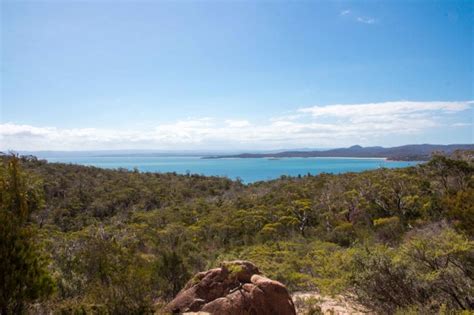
(306, 301)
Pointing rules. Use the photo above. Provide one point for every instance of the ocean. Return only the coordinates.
(248, 170)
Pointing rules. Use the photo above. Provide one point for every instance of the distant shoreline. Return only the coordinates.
(300, 157)
(416, 152)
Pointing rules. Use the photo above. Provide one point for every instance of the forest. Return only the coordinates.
(85, 240)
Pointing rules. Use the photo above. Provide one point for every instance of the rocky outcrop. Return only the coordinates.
(235, 288)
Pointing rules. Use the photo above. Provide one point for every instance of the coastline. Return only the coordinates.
(386, 159)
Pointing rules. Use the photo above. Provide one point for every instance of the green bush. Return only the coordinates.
(23, 268)
(388, 230)
(431, 269)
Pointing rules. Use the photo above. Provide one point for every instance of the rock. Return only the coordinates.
(235, 288)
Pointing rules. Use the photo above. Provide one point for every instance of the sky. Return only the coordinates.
(240, 75)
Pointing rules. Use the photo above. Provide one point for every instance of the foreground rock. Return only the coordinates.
(234, 288)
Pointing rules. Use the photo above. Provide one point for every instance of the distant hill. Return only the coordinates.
(413, 152)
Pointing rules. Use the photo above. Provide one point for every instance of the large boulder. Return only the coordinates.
(235, 288)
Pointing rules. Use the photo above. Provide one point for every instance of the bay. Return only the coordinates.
(248, 170)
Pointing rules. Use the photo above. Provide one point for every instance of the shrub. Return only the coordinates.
(23, 275)
(432, 269)
(388, 229)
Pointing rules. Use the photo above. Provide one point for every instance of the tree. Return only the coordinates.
(301, 210)
(23, 275)
(452, 174)
(460, 209)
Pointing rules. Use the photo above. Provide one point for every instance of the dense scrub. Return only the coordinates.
(123, 242)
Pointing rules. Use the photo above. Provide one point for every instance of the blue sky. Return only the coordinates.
(240, 74)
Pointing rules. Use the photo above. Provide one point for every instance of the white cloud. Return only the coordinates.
(385, 108)
(356, 18)
(365, 20)
(461, 125)
(10, 129)
(237, 123)
(316, 126)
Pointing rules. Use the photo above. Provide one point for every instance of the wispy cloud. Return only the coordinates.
(386, 108)
(461, 125)
(345, 12)
(357, 18)
(365, 20)
(330, 125)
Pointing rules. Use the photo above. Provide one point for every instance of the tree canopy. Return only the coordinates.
(121, 241)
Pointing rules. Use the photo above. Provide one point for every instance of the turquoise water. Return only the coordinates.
(248, 170)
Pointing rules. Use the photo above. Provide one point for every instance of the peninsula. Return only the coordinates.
(412, 152)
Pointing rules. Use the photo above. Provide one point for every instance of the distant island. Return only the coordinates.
(414, 152)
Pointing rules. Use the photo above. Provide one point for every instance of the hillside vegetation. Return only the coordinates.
(123, 242)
